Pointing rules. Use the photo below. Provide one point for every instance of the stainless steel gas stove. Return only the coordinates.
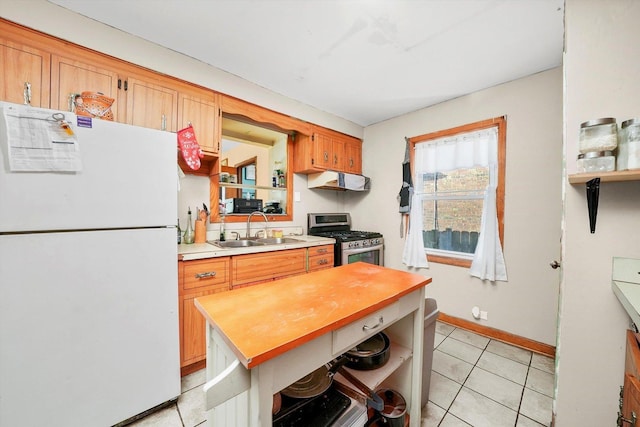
(351, 245)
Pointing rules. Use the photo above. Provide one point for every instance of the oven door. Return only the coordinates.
(370, 254)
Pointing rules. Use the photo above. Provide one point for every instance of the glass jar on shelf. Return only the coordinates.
(598, 135)
(629, 147)
(596, 161)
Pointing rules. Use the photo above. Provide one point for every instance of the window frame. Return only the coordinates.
(501, 124)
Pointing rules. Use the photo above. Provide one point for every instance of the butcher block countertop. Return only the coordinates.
(263, 321)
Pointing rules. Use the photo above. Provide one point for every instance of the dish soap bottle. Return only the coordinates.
(222, 213)
(189, 235)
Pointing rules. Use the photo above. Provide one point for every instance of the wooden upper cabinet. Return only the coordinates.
(353, 156)
(70, 77)
(151, 105)
(22, 65)
(202, 111)
(327, 150)
(323, 149)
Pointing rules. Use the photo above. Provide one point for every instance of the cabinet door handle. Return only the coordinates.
(335, 159)
(326, 156)
(27, 93)
(322, 251)
(205, 274)
(377, 325)
(163, 122)
(621, 420)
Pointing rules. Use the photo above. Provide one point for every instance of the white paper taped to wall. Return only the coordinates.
(38, 140)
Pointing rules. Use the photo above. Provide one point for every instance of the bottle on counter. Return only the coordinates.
(189, 234)
(179, 232)
(222, 231)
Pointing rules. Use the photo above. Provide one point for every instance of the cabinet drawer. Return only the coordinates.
(357, 331)
(206, 272)
(268, 265)
(321, 250)
(319, 262)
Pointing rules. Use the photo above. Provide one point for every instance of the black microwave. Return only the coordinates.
(241, 206)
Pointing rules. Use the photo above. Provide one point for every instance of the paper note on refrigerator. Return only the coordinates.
(39, 140)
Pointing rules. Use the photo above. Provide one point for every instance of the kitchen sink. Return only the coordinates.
(277, 240)
(244, 243)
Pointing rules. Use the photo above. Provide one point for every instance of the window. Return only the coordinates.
(455, 172)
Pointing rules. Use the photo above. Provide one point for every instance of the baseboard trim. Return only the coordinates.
(189, 369)
(516, 340)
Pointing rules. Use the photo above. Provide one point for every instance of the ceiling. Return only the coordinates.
(362, 60)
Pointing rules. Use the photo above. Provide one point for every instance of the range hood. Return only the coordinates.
(332, 180)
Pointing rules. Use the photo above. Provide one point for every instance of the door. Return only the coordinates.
(25, 73)
(151, 105)
(70, 77)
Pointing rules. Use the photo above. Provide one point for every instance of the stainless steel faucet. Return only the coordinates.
(266, 223)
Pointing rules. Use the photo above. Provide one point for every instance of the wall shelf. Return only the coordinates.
(615, 176)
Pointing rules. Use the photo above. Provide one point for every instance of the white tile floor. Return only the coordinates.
(475, 382)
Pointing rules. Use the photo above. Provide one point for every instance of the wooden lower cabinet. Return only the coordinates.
(630, 393)
(196, 279)
(267, 266)
(320, 257)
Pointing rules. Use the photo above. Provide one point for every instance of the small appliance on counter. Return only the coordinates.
(273, 207)
(242, 206)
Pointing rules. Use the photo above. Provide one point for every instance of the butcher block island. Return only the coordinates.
(263, 338)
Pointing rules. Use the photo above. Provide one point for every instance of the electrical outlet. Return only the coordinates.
(483, 315)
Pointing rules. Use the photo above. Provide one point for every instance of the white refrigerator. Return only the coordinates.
(88, 279)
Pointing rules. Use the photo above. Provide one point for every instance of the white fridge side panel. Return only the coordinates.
(89, 326)
(128, 179)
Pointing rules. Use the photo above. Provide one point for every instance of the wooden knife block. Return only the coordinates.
(201, 232)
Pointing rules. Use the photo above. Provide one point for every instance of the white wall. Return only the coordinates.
(57, 21)
(526, 305)
(602, 72)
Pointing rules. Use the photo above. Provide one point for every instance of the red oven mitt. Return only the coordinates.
(189, 147)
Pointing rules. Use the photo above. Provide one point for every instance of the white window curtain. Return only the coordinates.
(474, 149)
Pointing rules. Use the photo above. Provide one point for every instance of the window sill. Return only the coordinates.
(458, 262)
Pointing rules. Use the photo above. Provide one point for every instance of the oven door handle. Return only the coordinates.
(353, 251)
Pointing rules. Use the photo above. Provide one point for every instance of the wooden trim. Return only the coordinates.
(501, 123)
(496, 334)
(194, 367)
(259, 114)
(458, 262)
